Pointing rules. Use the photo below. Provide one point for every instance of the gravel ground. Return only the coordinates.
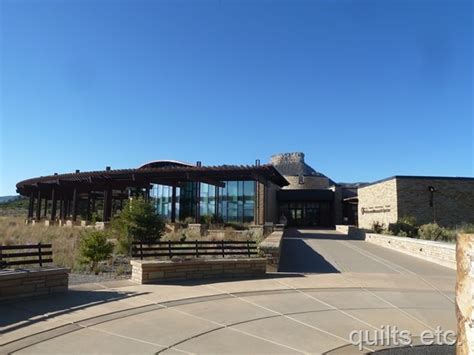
(76, 278)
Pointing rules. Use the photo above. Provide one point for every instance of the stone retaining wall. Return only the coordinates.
(151, 271)
(352, 231)
(438, 252)
(271, 247)
(35, 282)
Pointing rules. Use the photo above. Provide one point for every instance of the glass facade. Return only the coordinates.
(237, 201)
(233, 203)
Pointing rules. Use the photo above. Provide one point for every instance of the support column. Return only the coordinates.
(45, 207)
(31, 206)
(67, 206)
(198, 202)
(216, 207)
(61, 207)
(93, 206)
(107, 205)
(38, 207)
(74, 204)
(173, 204)
(147, 193)
(88, 207)
(53, 204)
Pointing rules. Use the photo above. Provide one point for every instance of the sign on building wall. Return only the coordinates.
(376, 209)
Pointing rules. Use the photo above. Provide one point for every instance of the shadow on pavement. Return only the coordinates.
(23, 313)
(312, 234)
(297, 256)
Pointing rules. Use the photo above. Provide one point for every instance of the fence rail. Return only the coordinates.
(196, 248)
(12, 255)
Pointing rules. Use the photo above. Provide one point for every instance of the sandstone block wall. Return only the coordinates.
(387, 201)
(27, 283)
(453, 201)
(152, 271)
(437, 252)
(378, 203)
(271, 248)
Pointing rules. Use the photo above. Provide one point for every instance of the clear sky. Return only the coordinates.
(366, 89)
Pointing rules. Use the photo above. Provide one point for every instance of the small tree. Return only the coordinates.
(138, 221)
(94, 248)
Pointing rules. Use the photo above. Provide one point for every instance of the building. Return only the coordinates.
(449, 201)
(253, 194)
(287, 189)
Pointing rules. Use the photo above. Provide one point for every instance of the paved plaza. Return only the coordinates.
(328, 287)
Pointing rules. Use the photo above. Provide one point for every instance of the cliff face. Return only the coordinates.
(299, 174)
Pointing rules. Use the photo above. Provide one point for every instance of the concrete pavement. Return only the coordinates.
(364, 287)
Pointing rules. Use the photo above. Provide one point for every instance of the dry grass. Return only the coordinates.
(65, 241)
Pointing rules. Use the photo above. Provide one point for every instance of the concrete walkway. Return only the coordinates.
(351, 285)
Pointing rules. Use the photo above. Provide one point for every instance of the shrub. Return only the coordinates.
(138, 221)
(404, 227)
(433, 231)
(94, 248)
(465, 228)
(378, 227)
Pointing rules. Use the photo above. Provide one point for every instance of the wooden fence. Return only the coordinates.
(195, 249)
(12, 255)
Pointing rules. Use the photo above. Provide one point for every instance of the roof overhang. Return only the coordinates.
(143, 177)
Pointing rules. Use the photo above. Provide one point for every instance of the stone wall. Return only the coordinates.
(465, 294)
(453, 201)
(271, 248)
(151, 271)
(387, 201)
(34, 282)
(437, 252)
(378, 203)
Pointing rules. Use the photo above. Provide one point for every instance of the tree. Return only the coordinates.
(94, 248)
(138, 221)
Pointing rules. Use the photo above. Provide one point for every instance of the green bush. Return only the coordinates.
(465, 228)
(377, 227)
(138, 221)
(404, 227)
(94, 248)
(432, 231)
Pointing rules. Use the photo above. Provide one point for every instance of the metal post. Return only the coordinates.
(45, 211)
(169, 248)
(223, 253)
(173, 204)
(197, 250)
(31, 205)
(54, 202)
(39, 256)
(38, 207)
(248, 247)
(74, 204)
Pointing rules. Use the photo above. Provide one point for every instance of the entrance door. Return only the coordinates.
(296, 215)
(312, 214)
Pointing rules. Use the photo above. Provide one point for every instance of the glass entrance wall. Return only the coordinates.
(235, 201)
(318, 213)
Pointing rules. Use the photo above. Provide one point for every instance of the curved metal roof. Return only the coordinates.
(161, 163)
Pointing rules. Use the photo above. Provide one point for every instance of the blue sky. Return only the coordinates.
(367, 89)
